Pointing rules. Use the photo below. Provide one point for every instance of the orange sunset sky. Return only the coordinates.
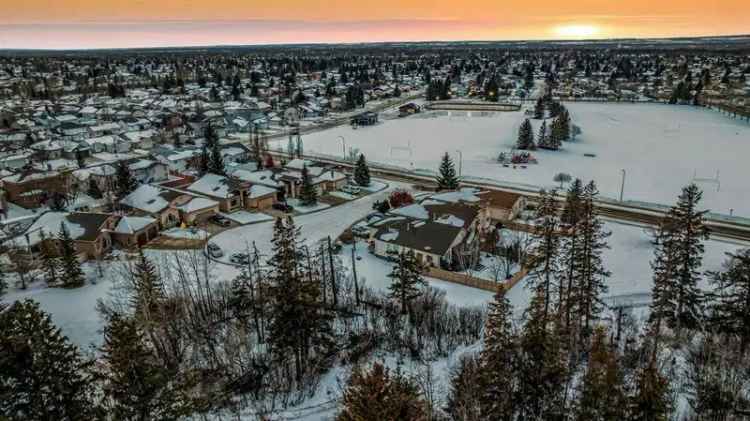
(62, 24)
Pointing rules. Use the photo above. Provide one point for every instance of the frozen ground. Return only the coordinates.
(186, 233)
(661, 147)
(245, 217)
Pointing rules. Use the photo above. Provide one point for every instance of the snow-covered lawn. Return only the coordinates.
(306, 209)
(186, 233)
(245, 217)
(342, 195)
(661, 147)
(373, 271)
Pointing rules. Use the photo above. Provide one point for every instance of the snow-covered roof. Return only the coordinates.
(213, 185)
(257, 191)
(146, 197)
(132, 224)
(197, 203)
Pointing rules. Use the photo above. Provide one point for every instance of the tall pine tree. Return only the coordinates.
(44, 376)
(308, 194)
(362, 172)
(406, 280)
(447, 179)
(71, 275)
(526, 136)
(126, 183)
(498, 358)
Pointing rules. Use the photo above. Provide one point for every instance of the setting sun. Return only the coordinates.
(577, 31)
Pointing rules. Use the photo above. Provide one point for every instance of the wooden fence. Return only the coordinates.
(474, 282)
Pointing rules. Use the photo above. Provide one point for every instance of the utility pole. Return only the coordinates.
(354, 272)
(622, 185)
(460, 162)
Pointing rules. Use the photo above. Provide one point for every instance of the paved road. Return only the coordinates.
(315, 226)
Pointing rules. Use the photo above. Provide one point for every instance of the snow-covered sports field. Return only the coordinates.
(661, 148)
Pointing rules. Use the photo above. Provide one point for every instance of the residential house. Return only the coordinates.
(89, 231)
(135, 231)
(30, 189)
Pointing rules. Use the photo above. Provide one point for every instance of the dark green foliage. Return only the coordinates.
(677, 300)
(300, 327)
(651, 400)
(308, 193)
(406, 280)
(525, 136)
(44, 376)
(71, 275)
(136, 385)
(601, 393)
(50, 263)
(730, 307)
(126, 183)
(216, 161)
(362, 172)
(464, 400)
(498, 361)
(447, 179)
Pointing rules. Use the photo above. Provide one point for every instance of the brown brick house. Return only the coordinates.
(91, 233)
(31, 189)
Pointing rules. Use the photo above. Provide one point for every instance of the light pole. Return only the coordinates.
(343, 146)
(622, 185)
(460, 162)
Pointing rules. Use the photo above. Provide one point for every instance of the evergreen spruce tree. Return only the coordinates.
(651, 400)
(539, 109)
(498, 358)
(308, 194)
(44, 376)
(464, 399)
(543, 139)
(126, 183)
(589, 274)
(71, 275)
(216, 161)
(136, 385)
(601, 393)
(204, 160)
(556, 135)
(447, 179)
(406, 280)
(541, 369)
(525, 136)
(362, 172)
(545, 253)
(299, 326)
(676, 298)
(378, 394)
(730, 306)
(148, 289)
(573, 203)
(565, 128)
(50, 263)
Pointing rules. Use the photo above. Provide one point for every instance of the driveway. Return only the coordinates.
(315, 226)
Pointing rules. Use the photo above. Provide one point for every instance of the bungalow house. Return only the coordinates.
(168, 207)
(148, 171)
(91, 233)
(47, 150)
(135, 231)
(431, 242)
(227, 191)
(29, 189)
(502, 205)
(325, 179)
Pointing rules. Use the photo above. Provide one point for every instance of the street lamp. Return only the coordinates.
(343, 146)
(460, 162)
(622, 185)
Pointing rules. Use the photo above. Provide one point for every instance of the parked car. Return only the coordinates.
(214, 250)
(361, 230)
(221, 221)
(240, 258)
(283, 207)
(374, 217)
(351, 189)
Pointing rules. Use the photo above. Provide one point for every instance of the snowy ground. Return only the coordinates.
(186, 233)
(245, 217)
(661, 147)
(295, 203)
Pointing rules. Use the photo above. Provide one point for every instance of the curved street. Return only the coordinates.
(314, 226)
